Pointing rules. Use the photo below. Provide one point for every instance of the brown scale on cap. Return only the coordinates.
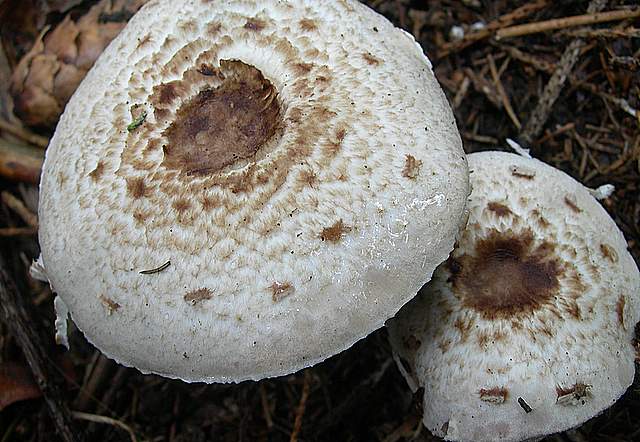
(522, 173)
(136, 188)
(255, 24)
(496, 395)
(96, 173)
(197, 296)
(571, 203)
(280, 290)
(221, 126)
(333, 145)
(370, 59)
(506, 275)
(464, 325)
(542, 222)
(209, 71)
(142, 42)
(574, 394)
(499, 209)
(140, 216)
(166, 92)
(306, 24)
(213, 29)
(444, 345)
(620, 310)
(411, 167)
(181, 205)
(609, 253)
(109, 303)
(302, 68)
(334, 232)
(307, 178)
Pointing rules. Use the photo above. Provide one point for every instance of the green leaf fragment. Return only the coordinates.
(137, 122)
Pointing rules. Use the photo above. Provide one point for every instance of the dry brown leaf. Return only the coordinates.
(22, 20)
(16, 384)
(46, 77)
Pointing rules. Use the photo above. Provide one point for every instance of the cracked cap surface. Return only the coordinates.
(295, 163)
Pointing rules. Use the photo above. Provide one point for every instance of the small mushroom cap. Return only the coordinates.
(237, 187)
(527, 329)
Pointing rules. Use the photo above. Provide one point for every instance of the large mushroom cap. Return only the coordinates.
(527, 329)
(289, 172)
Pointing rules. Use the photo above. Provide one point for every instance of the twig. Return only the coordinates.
(484, 86)
(92, 381)
(105, 420)
(155, 270)
(566, 22)
(461, 93)
(501, 22)
(540, 114)
(20, 163)
(503, 94)
(559, 130)
(16, 315)
(18, 206)
(265, 406)
(6, 232)
(24, 134)
(405, 430)
(603, 33)
(537, 62)
(485, 139)
(297, 424)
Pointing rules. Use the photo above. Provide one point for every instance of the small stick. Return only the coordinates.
(461, 93)
(20, 163)
(24, 134)
(7, 232)
(16, 315)
(92, 382)
(538, 63)
(534, 125)
(503, 94)
(265, 406)
(18, 206)
(105, 420)
(566, 22)
(524, 405)
(487, 31)
(156, 270)
(485, 139)
(405, 430)
(297, 424)
(603, 33)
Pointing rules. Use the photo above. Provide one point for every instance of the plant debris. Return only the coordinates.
(156, 270)
(137, 122)
(46, 77)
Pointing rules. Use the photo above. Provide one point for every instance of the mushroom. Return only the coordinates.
(236, 188)
(527, 329)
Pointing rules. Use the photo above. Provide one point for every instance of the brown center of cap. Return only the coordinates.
(506, 275)
(221, 126)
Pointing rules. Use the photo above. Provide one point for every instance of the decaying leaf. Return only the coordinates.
(46, 77)
(16, 384)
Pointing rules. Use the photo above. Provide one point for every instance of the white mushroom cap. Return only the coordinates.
(535, 308)
(287, 159)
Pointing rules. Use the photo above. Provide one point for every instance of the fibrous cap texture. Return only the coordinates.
(527, 329)
(240, 189)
